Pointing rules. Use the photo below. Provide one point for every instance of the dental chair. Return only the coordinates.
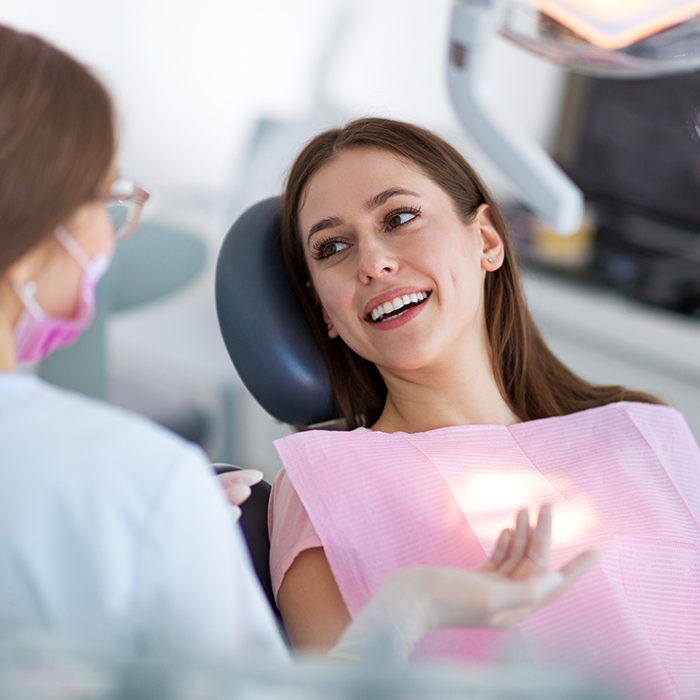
(271, 346)
(263, 325)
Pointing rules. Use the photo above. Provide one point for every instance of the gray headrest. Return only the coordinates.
(263, 324)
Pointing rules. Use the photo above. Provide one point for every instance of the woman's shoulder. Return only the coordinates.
(659, 427)
(645, 413)
(664, 423)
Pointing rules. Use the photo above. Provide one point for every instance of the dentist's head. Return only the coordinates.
(57, 148)
(57, 141)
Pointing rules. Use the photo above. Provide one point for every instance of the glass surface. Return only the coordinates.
(674, 50)
(40, 665)
(613, 24)
(124, 205)
(119, 214)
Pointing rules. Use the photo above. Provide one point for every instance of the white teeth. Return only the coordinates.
(395, 304)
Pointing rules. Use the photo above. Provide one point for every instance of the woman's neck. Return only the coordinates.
(462, 393)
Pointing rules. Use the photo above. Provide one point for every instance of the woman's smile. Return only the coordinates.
(396, 307)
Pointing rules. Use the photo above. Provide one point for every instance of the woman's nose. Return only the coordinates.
(375, 260)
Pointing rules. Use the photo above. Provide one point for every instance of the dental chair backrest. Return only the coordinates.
(263, 325)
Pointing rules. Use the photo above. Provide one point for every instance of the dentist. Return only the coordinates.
(111, 529)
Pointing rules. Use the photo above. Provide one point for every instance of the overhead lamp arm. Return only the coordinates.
(540, 182)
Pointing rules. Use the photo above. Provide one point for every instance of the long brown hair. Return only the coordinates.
(530, 378)
(57, 140)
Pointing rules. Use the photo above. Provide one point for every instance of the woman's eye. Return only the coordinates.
(400, 218)
(328, 249)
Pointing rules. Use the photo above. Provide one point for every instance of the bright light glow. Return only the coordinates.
(614, 24)
(490, 492)
(490, 502)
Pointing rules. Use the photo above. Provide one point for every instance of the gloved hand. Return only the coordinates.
(512, 584)
(236, 485)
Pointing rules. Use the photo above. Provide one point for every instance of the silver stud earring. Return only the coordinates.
(490, 259)
(329, 326)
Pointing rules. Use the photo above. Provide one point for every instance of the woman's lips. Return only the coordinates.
(396, 307)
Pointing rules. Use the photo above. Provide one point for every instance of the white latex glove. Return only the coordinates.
(512, 584)
(236, 485)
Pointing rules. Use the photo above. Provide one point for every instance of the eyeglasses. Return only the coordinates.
(124, 203)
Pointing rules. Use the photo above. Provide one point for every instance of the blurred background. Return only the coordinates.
(216, 97)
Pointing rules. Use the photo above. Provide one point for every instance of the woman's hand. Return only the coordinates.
(512, 584)
(236, 485)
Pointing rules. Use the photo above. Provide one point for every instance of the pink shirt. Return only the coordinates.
(295, 532)
(624, 478)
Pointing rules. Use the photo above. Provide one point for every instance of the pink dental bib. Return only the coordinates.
(624, 478)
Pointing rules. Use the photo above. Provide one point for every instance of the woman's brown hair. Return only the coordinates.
(530, 378)
(57, 140)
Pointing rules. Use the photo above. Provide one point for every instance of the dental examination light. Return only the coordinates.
(603, 38)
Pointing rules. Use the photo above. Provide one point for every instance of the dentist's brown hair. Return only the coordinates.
(57, 140)
(530, 378)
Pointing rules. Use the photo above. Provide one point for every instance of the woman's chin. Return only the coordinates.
(412, 362)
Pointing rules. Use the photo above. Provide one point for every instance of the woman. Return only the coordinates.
(405, 269)
(111, 528)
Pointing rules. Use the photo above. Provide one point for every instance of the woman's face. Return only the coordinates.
(378, 234)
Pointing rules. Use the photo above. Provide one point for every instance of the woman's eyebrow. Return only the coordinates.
(382, 197)
(328, 222)
(372, 203)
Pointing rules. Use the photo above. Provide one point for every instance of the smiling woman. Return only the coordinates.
(404, 265)
(392, 169)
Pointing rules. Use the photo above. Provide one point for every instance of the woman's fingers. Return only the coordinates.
(574, 569)
(519, 544)
(569, 573)
(523, 555)
(500, 552)
(526, 551)
(536, 557)
(541, 539)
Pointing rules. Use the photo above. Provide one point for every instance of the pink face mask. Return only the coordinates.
(37, 333)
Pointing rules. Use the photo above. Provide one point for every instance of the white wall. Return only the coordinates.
(190, 77)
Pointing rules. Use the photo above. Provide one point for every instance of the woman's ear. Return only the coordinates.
(492, 251)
